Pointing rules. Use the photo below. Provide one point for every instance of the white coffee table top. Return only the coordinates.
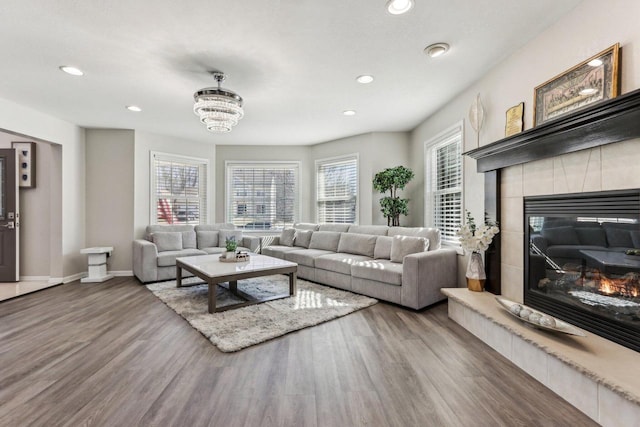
(213, 267)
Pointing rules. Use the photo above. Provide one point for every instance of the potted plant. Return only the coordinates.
(476, 240)
(231, 246)
(392, 180)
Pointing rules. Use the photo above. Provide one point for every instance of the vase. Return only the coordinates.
(475, 273)
(230, 255)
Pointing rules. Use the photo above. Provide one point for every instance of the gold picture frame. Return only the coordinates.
(593, 80)
(515, 122)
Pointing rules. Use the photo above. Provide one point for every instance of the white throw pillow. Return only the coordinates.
(288, 236)
(168, 240)
(207, 239)
(303, 238)
(407, 245)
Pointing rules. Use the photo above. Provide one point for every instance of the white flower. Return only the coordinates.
(478, 240)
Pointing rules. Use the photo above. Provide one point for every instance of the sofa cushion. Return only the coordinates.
(207, 239)
(168, 258)
(407, 245)
(359, 244)
(565, 235)
(377, 230)
(433, 234)
(380, 270)
(278, 251)
(383, 247)
(303, 238)
(168, 240)
(288, 236)
(635, 238)
(305, 226)
(305, 256)
(326, 240)
(593, 236)
(340, 228)
(340, 262)
(155, 228)
(189, 239)
(228, 234)
(617, 237)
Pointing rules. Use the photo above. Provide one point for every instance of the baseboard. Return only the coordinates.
(34, 278)
(73, 277)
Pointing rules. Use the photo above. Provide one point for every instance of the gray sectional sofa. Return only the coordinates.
(154, 257)
(403, 265)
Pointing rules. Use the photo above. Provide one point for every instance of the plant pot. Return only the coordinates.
(230, 255)
(476, 275)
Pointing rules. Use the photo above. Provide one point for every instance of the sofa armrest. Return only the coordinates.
(145, 260)
(253, 243)
(425, 273)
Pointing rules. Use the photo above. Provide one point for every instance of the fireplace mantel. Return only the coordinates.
(603, 123)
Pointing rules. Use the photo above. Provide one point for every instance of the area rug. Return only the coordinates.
(239, 328)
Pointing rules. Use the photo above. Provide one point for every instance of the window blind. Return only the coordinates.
(337, 190)
(445, 186)
(178, 189)
(262, 196)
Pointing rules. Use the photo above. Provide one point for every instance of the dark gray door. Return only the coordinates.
(8, 217)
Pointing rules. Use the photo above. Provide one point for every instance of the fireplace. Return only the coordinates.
(579, 264)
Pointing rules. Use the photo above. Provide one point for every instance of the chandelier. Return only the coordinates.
(219, 109)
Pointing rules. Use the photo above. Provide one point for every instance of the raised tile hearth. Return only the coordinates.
(594, 374)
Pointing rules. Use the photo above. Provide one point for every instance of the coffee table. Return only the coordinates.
(613, 262)
(213, 271)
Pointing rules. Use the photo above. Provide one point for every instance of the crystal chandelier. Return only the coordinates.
(219, 109)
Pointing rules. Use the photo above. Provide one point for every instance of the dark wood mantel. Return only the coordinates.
(614, 120)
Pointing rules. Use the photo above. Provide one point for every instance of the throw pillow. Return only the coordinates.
(383, 247)
(228, 234)
(288, 236)
(358, 244)
(207, 239)
(303, 238)
(325, 240)
(168, 240)
(407, 245)
(189, 239)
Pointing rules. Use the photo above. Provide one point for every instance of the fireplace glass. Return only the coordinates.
(583, 261)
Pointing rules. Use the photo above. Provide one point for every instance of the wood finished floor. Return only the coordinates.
(112, 354)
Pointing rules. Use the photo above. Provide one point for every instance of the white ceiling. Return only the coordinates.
(293, 61)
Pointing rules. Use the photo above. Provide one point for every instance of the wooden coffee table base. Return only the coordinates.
(214, 280)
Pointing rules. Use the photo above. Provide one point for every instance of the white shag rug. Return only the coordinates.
(236, 329)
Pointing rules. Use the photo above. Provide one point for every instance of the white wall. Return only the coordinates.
(68, 225)
(110, 193)
(145, 143)
(590, 28)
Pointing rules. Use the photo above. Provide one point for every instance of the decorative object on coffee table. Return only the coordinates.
(392, 180)
(476, 240)
(231, 245)
(26, 152)
(595, 79)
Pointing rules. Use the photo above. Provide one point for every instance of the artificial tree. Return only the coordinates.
(392, 180)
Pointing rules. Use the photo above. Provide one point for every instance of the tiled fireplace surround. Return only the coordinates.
(597, 376)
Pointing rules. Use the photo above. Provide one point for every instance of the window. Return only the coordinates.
(262, 196)
(443, 197)
(178, 189)
(337, 190)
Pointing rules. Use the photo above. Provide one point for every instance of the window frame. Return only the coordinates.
(178, 158)
(430, 146)
(336, 159)
(229, 191)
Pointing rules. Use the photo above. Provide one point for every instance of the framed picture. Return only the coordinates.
(26, 163)
(514, 123)
(595, 79)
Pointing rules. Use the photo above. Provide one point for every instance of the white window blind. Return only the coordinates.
(262, 196)
(444, 190)
(178, 189)
(337, 190)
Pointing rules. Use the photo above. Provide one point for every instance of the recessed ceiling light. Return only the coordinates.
(134, 108)
(349, 112)
(71, 70)
(398, 7)
(595, 63)
(436, 49)
(364, 79)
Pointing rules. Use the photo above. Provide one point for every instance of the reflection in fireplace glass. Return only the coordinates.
(587, 262)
